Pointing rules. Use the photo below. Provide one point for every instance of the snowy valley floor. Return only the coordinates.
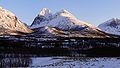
(80, 62)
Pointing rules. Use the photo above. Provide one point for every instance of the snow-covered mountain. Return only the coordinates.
(10, 25)
(63, 23)
(62, 20)
(111, 26)
(44, 16)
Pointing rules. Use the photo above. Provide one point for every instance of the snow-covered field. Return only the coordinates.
(79, 62)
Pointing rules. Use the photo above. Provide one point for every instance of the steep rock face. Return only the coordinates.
(111, 26)
(10, 25)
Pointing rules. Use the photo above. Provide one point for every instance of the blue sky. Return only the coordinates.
(91, 11)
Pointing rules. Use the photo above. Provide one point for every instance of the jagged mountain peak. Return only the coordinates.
(65, 24)
(44, 16)
(62, 20)
(111, 26)
(45, 12)
(113, 20)
(110, 20)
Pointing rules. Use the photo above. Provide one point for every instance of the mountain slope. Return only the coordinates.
(111, 26)
(44, 16)
(10, 25)
(63, 23)
(62, 19)
(53, 31)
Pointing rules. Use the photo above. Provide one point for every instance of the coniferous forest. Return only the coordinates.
(16, 51)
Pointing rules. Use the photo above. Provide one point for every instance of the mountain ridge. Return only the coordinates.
(111, 26)
(62, 16)
(10, 24)
(65, 22)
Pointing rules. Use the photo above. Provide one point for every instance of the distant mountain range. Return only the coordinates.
(62, 23)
